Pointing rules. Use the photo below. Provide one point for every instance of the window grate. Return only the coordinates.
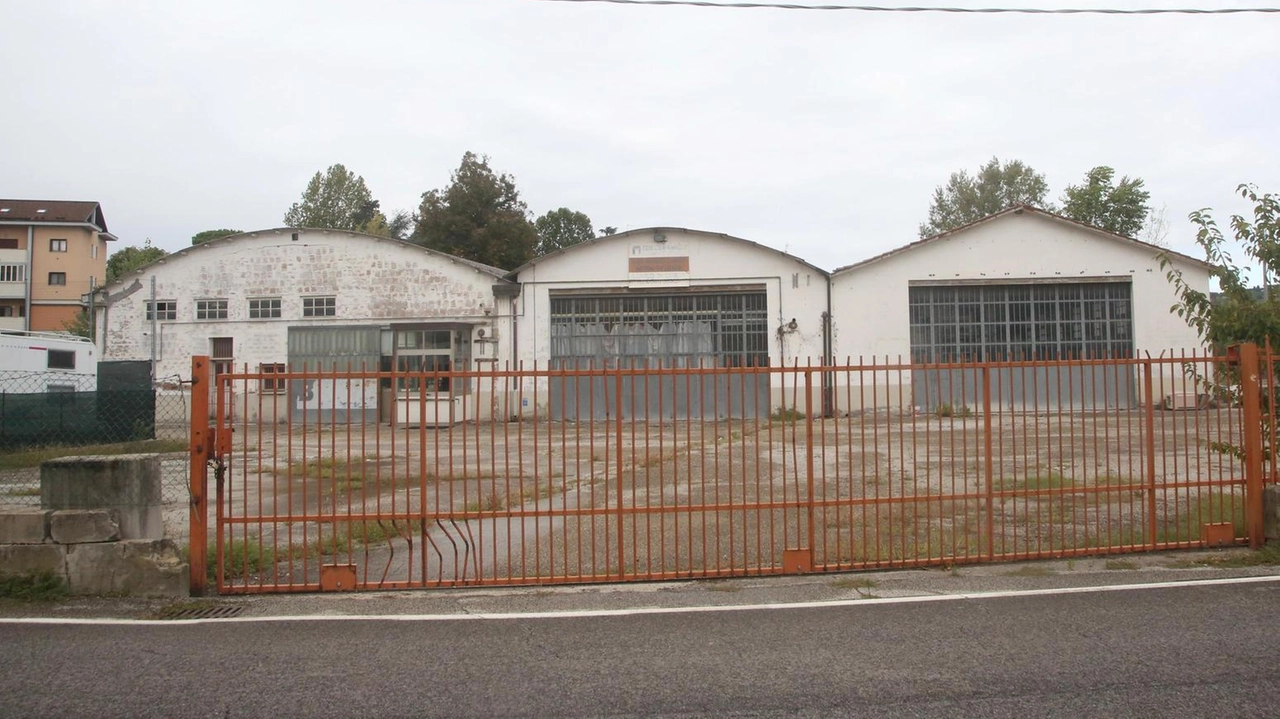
(1015, 322)
(730, 329)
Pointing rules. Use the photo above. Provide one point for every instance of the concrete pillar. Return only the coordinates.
(126, 483)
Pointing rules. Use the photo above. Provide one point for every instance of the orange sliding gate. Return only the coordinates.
(326, 480)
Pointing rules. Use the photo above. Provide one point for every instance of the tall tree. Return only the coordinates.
(479, 217)
(126, 259)
(400, 225)
(610, 230)
(1098, 201)
(202, 237)
(562, 228)
(996, 187)
(334, 199)
(1239, 314)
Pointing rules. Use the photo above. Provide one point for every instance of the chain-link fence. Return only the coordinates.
(43, 416)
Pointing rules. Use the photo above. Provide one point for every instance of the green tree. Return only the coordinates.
(562, 228)
(128, 259)
(202, 237)
(334, 199)
(400, 225)
(606, 231)
(1098, 201)
(478, 217)
(79, 326)
(1238, 314)
(996, 187)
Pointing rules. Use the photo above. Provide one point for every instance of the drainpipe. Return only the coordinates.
(31, 271)
(154, 328)
(828, 348)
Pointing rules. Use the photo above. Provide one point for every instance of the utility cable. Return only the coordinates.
(938, 9)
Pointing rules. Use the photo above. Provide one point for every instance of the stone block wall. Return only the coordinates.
(84, 548)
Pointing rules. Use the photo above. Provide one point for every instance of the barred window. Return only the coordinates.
(319, 306)
(264, 308)
(211, 309)
(163, 310)
(271, 385)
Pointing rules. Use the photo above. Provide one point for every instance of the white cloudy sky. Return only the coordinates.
(819, 133)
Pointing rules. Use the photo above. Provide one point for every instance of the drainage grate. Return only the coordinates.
(203, 612)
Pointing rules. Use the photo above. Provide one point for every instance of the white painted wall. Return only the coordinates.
(795, 290)
(377, 281)
(870, 302)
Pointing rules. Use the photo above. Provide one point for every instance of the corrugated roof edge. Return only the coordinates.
(1015, 210)
(497, 272)
(645, 230)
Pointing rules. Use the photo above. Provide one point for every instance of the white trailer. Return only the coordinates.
(37, 362)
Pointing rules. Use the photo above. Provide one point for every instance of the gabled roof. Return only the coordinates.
(496, 272)
(651, 230)
(1018, 210)
(55, 211)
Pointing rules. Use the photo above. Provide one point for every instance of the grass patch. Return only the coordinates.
(33, 587)
(24, 492)
(241, 558)
(959, 411)
(34, 456)
(1050, 480)
(492, 502)
(787, 414)
(1268, 555)
(1115, 564)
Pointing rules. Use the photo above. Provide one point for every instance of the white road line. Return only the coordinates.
(645, 610)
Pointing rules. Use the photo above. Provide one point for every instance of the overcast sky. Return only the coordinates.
(819, 133)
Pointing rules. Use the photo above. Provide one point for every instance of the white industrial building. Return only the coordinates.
(665, 297)
(1020, 284)
(314, 299)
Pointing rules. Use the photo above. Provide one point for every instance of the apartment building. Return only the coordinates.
(52, 252)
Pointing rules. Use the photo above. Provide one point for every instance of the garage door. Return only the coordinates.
(688, 329)
(1051, 321)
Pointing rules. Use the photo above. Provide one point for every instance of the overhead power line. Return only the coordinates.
(958, 10)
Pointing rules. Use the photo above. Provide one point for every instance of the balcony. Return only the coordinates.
(13, 323)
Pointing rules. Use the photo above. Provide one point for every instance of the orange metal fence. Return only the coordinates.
(363, 479)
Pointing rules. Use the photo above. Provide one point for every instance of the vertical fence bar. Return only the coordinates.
(808, 438)
(1150, 448)
(201, 450)
(1252, 431)
(617, 410)
(988, 459)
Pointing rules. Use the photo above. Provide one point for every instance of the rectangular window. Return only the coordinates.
(211, 309)
(164, 310)
(271, 385)
(264, 308)
(57, 245)
(93, 249)
(62, 359)
(58, 278)
(426, 354)
(13, 273)
(8, 243)
(222, 354)
(319, 306)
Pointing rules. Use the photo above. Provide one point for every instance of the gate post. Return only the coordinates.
(808, 438)
(1251, 397)
(201, 449)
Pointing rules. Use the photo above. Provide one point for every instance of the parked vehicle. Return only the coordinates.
(37, 362)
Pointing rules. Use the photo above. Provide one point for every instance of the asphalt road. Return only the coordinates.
(1191, 651)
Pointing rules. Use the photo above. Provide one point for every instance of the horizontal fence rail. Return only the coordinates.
(329, 479)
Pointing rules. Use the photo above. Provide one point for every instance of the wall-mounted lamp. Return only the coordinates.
(659, 237)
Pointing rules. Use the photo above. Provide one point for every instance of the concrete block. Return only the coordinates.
(18, 559)
(1271, 511)
(127, 483)
(84, 526)
(24, 526)
(136, 568)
